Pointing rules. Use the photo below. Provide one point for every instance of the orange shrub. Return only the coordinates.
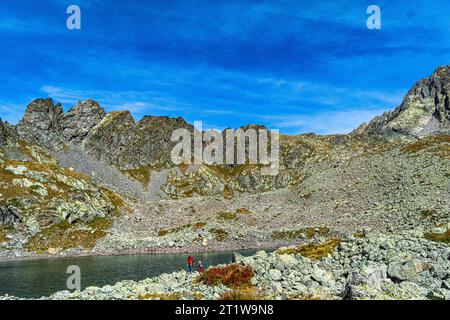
(232, 275)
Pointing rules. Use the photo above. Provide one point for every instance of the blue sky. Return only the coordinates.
(298, 66)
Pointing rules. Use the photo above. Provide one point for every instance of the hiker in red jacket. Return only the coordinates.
(190, 263)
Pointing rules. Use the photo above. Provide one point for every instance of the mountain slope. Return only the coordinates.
(58, 169)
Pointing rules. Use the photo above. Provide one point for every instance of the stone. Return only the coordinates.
(53, 251)
(33, 226)
(402, 272)
(17, 170)
(275, 274)
(288, 261)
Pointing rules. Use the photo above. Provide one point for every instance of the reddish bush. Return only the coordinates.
(232, 275)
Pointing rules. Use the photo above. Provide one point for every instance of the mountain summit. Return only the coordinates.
(424, 110)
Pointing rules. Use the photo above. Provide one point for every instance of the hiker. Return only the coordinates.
(190, 263)
(200, 266)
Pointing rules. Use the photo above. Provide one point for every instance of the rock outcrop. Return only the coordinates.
(46, 124)
(80, 119)
(425, 109)
(8, 134)
(41, 123)
(119, 140)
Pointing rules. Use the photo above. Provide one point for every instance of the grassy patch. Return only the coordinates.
(64, 235)
(163, 232)
(234, 276)
(101, 224)
(427, 213)
(299, 233)
(197, 295)
(224, 215)
(243, 211)
(115, 199)
(141, 174)
(439, 141)
(438, 237)
(2, 235)
(307, 195)
(314, 251)
(250, 293)
(359, 235)
(198, 226)
(220, 234)
(161, 296)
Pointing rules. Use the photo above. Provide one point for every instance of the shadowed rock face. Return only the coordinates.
(41, 123)
(80, 119)
(108, 140)
(113, 138)
(8, 134)
(45, 123)
(119, 140)
(424, 110)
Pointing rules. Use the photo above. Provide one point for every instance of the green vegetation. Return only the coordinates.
(359, 235)
(161, 296)
(224, 215)
(299, 233)
(438, 237)
(234, 276)
(163, 232)
(64, 236)
(3, 233)
(250, 293)
(314, 251)
(243, 211)
(198, 226)
(115, 199)
(220, 234)
(427, 213)
(440, 144)
(141, 174)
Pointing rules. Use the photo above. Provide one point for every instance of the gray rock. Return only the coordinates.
(275, 274)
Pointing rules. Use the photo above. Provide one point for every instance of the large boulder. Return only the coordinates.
(408, 271)
(9, 215)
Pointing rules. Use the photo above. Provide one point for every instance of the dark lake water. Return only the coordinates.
(34, 279)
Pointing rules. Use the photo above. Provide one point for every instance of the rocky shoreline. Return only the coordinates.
(370, 266)
(8, 256)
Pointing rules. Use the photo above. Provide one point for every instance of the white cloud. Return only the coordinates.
(332, 122)
(10, 112)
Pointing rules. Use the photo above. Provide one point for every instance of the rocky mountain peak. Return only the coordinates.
(80, 119)
(41, 122)
(8, 134)
(163, 121)
(46, 124)
(425, 109)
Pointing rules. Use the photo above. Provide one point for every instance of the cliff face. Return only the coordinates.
(8, 134)
(119, 140)
(425, 109)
